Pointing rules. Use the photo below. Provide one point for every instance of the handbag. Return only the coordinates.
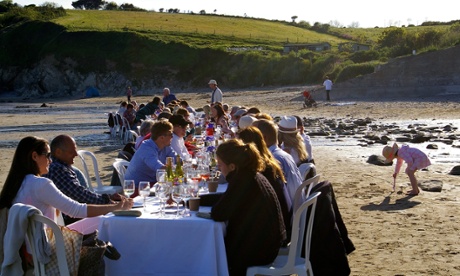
(84, 253)
(72, 246)
(92, 254)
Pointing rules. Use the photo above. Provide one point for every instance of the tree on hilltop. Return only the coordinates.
(88, 4)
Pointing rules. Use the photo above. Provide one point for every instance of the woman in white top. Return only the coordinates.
(24, 184)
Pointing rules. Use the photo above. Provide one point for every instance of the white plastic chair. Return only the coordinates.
(117, 125)
(125, 134)
(305, 169)
(39, 268)
(121, 166)
(133, 136)
(300, 194)
(99, 188)
(293, 263)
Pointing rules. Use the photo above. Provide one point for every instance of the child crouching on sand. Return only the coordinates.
(415, 159)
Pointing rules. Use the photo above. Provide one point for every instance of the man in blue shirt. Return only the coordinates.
(152, 154)
(167, 96)
(289, 167)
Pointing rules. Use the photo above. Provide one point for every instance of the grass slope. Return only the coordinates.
(202, 30)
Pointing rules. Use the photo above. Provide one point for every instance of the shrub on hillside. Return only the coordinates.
(354, 70)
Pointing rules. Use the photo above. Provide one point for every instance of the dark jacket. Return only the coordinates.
(330, 243)
(255, 229)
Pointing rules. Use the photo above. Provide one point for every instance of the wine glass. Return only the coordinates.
(187, 193)
(176, 195)
(205, 174)
(144, 191)
(128, 188)
(162, 191)
(161, 175)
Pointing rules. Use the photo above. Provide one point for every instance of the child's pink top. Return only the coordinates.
(414, 158)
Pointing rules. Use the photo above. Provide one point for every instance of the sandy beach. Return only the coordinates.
(393, 234)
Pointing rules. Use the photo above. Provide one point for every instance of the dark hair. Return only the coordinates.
(244, 156)
(160, 128)
(156, 100)
(219, 109)
(253, 135)
(184, 103)
(22, 165)
(253, 110)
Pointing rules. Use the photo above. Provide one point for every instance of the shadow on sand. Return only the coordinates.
(399, 204)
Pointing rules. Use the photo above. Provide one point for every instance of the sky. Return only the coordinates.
(361, 13)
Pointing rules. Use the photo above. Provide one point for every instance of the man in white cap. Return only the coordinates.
(216, 95)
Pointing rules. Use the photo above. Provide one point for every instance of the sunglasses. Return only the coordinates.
(47, 154)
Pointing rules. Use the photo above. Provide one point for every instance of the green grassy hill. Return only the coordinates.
(196, 30)
(185, 50)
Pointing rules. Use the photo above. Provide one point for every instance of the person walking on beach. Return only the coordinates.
(129, 93)
(328, 86)
(415, 159)
(216, 95)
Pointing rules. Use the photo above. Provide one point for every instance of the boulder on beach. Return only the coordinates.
(378, 160)
(455, 170)
(431, 185)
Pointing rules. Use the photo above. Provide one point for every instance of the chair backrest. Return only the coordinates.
(121, 166)
(307, 169)
(302, 230)
(39, 268)
(133, 136)
(300, 194)
(84, 154)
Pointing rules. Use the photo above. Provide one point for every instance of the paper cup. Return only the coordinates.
(212, 186)
(194, 203)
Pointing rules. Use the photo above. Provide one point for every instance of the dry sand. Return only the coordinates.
(393, 234)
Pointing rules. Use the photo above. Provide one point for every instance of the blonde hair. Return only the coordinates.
(293, 141)
(253, 135)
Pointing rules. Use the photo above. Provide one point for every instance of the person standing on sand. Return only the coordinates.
(129, 93)
(216, 95)
(415, 159)
(328, 86)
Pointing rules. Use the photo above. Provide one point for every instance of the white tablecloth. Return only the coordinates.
(150, 245)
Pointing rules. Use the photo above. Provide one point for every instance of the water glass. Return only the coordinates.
(128, 188)
(144, 191)
(162, 191)
(176, 195)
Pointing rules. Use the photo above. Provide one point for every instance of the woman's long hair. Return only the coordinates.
(220, 112)
(22, 165)
(245, 157)
(253, 135)
(293, 141)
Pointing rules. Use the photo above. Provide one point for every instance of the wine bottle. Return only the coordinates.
(169, 170)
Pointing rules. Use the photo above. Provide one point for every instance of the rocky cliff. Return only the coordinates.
(427, 76)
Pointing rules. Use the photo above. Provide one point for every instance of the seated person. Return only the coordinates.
(179, 130)
(24, 184)
(152, 154)
(143, 131)
(130, 116)
(61, 172)
(253, 236)
(148, 110)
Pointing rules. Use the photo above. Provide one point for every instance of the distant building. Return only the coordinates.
(353, 47)
(315, 47)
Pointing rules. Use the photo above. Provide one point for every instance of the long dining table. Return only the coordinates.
(170, 245)
(154, 245)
